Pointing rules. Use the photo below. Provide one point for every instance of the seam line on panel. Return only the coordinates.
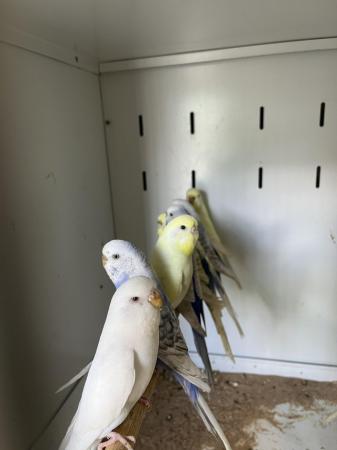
(219, 54)
(107, 157)
(54, 415)
(259, 358)
(52, 58)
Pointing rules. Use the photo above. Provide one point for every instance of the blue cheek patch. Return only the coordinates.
(122, 279)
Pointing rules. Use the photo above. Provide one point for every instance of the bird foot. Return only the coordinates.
(145, 401)
(116, 437)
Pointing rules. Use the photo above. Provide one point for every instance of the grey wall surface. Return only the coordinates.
(119, 29)
(55, 214)
(282, 237)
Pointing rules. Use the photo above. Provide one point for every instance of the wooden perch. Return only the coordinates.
(132, 424)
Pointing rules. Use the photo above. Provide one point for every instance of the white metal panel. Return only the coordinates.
(129, 29)
(35, 44)
(281, 237)
(55, 214)
(119, 29)
(207, 56)
(67, 23)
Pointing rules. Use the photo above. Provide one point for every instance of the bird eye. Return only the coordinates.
(171, 214)
(116, 256)
(135, 299)
(183, 227)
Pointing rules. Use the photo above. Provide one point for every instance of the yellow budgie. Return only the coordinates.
(195, 198)
(173, 262)
(209, 265)
(172, 257)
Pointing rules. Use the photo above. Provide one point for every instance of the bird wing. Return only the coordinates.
(187, 310)
(109, 384)
(219, 261)
(173, 351)
(215, 304)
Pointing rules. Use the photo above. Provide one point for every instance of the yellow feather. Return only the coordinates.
(161, 223)
(195, 198)
(172, 257)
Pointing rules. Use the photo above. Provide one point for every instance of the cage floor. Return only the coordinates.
(256, 412)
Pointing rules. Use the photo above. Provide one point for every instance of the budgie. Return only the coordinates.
(219, 260)
(172, 261)
(122, 261)
(172, 257)
(194, 197)
(208, 267)
(121, 369)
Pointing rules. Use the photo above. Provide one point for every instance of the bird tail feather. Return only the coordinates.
(210, 421)
(203, 410)
(201, 347)
(73, 380)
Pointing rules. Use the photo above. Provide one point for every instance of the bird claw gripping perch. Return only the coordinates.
(116, 437)
(145, 401)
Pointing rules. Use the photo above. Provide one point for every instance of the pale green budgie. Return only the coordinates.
(172, 257)
(172, 261)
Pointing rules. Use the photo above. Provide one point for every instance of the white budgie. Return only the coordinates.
(122, 367)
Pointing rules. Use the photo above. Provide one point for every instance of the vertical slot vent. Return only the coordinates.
(260, 178)
(261, 121)
(141, 125)
(144, 181)
(193, 178)
(192, 123)
(322, 115)
(318, 177)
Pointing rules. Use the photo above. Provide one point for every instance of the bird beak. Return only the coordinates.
(104, 260)
(194, 230)
(155, 299)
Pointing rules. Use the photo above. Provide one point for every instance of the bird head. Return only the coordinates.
(182, 232)
(138, 294)
(175, 211)
(193, 196)
(121, 260)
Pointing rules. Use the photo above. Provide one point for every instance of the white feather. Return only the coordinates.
(122, 367)
(73, 380)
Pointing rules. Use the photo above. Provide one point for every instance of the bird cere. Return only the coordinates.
(142, 329)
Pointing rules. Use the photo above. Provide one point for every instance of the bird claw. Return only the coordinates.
(145, 401)
(116, 437)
